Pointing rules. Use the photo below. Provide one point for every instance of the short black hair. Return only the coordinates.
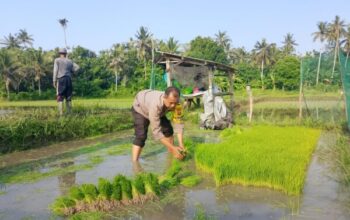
(173, 90)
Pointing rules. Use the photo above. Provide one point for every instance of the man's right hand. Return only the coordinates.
(176, 152)
(54, 85)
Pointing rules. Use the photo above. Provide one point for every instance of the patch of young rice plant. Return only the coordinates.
(271, 156)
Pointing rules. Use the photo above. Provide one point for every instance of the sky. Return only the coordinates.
(98, 24)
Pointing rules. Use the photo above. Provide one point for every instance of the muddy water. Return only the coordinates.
(323, 197)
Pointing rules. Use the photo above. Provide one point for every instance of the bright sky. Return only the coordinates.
(98, 24)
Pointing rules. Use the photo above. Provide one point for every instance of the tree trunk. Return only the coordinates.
(116, 81)
(335, 57)
(262, 74)
(145, 67)
(7, 84)
(39, 87)
(318, 68)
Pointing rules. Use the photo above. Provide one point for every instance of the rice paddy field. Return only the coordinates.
(276, 167)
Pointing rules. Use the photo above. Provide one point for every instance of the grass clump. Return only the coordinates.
(271, 156)
(191, 181)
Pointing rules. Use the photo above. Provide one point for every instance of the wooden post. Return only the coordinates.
(211, 78)
(250, 96)
(231, 75)
(168, 72)
(301, 90)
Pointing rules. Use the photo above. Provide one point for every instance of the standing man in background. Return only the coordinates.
(62, 80)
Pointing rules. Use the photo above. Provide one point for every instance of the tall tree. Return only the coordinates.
(40, 65)
(223, 40)
(10, 42)
(8, 69)
(262, 51)
(172, 45)
(144, 45)
(24, 38)
(239, 55)
(117, 61)
(336, 31)
(63, 22)
(321, 35)
(289, 44)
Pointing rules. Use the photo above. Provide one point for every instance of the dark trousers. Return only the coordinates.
(141, 128)
(64, 89)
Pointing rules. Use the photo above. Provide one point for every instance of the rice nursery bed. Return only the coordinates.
(271, 156)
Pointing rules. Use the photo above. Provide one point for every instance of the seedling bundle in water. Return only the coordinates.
(122, 192)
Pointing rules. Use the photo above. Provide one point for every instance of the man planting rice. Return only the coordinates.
(150, 108)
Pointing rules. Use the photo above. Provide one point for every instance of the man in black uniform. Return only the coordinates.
(62, 80)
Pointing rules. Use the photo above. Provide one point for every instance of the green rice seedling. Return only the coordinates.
(191, 181)
(152, 187)
(138, 190)
(105, 189)
(126, 190)
(63, 206)
(270, 156)
(76, 194)
(90, 192)
(174, 169)
(117, 189)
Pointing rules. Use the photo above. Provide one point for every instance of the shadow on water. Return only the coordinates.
(323, 197)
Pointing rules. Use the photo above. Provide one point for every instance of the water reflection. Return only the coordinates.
(66, 180)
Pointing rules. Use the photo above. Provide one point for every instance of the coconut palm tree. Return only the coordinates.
(8, 69)
(24, 38)
(346, 43)
(117, 61)
(144, 44)
(40, 65)
(336, 31)
(320, 35)
(223, 40)
(262, 51)
(239, 55)
(172, 45)
(10, 42)
(289, 44)
(63, 22)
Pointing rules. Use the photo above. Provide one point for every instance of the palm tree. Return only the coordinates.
(10, 42)
(40, 64)
(346, 43)
(117, 62)
(336, 31)
(320, 35)
(262, 55)
(172, 45)
(8, 69)
(289, 44)
(24, 38)
(223, 40)
(239, 55)
(144, 44)
(63, 22)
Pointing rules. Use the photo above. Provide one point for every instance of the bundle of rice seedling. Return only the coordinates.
(105, 190)
(152, 187)
(191, 181)
(90, 192)
(138, 190)
(63, 206)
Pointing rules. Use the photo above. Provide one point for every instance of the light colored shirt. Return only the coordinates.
(63, 67)
(149, 103)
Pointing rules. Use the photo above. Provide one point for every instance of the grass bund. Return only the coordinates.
(263, 155)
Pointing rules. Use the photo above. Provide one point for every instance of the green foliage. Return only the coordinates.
(271, 156)
(208, 49)
(286, 73)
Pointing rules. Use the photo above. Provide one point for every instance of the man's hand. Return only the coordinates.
(54, 85)
(176, 152)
